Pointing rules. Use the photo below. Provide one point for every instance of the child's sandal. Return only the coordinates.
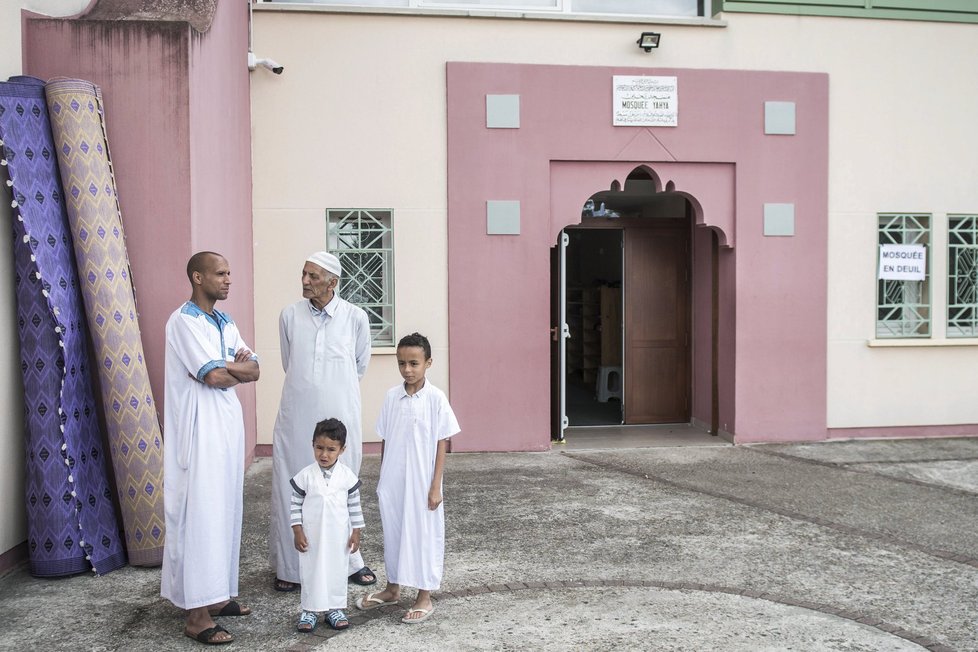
(337, 619)
(307, 621)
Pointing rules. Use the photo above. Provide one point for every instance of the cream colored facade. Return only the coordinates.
(359, 120)
(301, 170)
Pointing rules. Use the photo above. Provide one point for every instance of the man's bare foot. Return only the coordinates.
(215, 635)
(284, 586)
(229, 608)
(201, 627)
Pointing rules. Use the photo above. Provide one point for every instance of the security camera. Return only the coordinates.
(277, 68)
(274, 66)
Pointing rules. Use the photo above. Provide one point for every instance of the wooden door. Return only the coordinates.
(657, 322)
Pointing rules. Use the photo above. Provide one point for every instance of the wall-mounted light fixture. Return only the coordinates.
(648, 40)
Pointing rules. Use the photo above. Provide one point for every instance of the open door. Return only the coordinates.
(559, 333)
(657, 321)
(593, 353)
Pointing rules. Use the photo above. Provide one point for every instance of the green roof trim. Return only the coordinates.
(953, 11)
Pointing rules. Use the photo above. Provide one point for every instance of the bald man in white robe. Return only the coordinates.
(203, 453)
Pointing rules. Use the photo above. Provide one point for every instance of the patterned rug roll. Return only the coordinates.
(71, 520)
(135, 441)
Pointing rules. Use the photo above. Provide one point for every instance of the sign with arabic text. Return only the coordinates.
(645, 101)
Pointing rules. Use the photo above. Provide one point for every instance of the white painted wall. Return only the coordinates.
(300, 172)
(359, 120)
(13, 524)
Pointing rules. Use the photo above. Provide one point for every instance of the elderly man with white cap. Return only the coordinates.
(325, 345)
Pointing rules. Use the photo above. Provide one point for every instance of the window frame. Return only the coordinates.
(560, 9)
(921, 311)
(954, 327)
(362, 264)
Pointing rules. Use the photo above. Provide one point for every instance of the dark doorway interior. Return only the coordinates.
(594, 381)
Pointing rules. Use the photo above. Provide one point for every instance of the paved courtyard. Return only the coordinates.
(869, 545)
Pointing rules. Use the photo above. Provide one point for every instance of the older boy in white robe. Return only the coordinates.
(415, 424)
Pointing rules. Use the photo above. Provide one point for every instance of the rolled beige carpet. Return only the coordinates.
(132, 424)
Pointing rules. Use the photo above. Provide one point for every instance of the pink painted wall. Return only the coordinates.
(702, 326)
(727, 343)
(220, 174)
(773, 291)
(178, 119)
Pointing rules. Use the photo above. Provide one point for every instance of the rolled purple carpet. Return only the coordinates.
(71, 520)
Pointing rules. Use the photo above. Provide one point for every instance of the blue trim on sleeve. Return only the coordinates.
(355, 487)
(296, 487)
(219, 320)
(210, 366)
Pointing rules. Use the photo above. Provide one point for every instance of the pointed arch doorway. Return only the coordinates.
(622, 284)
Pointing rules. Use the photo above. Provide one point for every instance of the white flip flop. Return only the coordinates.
(425, 614)
(363, 602)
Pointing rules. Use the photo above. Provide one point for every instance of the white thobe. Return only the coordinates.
(324, 359)
(203, 461)
(414, 536)
(326, 524)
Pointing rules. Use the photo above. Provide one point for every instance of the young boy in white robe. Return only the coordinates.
(415, 424)
(326, 520)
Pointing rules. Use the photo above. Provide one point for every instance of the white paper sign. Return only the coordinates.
(641, 101)
(903, 262)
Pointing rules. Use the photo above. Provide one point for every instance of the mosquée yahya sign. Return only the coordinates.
(645, 101)
(903, 262)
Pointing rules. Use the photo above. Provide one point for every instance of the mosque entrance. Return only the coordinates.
(622, 286)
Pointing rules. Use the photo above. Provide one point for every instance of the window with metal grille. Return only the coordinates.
(962, 275)
(363, 240)
(903, 307)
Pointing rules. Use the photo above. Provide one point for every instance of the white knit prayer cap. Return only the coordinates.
(327, 261)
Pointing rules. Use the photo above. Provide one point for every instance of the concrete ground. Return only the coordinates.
(865, 545)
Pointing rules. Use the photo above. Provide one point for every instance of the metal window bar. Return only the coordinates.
(363, 241)
(903, 307)
(962, 276)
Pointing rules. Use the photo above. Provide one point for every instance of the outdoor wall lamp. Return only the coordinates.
(648, 40)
